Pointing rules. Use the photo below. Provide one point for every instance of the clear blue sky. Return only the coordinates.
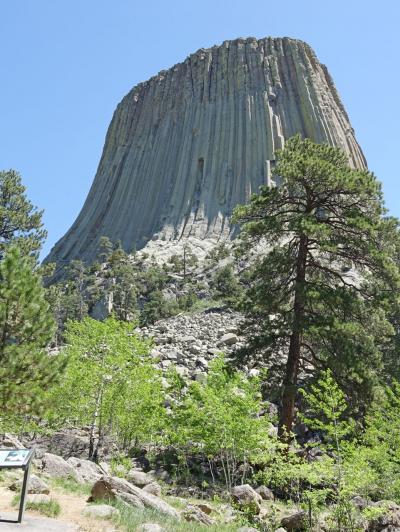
(65, 64)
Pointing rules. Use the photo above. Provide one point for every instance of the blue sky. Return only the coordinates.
(65, 64)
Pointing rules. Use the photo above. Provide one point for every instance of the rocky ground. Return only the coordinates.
(99, 498)
(190, 341)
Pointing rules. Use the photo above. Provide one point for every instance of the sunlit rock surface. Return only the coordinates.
(186, 146)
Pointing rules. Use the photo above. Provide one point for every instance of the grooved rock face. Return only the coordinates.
(185, 147)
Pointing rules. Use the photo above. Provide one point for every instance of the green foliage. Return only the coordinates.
(326, 407)
(20, 222)
(218, 253)
(156, 308)
(219, 420)
(225, 284)
(26, 328)
(109, 384)
(183, 263)
(325, 241)
(120, 466)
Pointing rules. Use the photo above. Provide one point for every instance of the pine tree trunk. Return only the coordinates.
(289, 390)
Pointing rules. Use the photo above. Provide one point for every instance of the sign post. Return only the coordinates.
(14, 459)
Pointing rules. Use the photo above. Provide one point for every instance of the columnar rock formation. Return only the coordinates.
(188, 145)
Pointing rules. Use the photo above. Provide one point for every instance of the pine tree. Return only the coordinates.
(312, 300)
(20, 221)
(26, 328)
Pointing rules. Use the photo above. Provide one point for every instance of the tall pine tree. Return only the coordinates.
(26, 328)
(20, 221)
(312, 302)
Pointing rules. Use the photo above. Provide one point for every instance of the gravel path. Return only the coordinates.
(36, 524)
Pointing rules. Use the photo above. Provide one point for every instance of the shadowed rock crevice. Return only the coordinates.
(185, 147)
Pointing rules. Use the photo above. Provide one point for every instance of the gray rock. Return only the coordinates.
(200, 376)
(139, 478)
(227, 339)
(109, 488)
(188, 339)
(150, 527)
(69, 443)
(265, 493)
(245, 494)
(100, 511)
(247, 529)
(57, 467)
(154, 488)
(280, 529)
(130, 500)
(194, 513)
(173, 355)
(359, 502)
(9, 440)
(87, 471)
(191, 183)
(294, 521)
(195, 349)
(105, 467)
(182, 371)
(38, 498)
(35, 485)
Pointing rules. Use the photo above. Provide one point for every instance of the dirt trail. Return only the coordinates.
(70, 518)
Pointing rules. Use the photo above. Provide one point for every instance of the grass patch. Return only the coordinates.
(49, 509)
(69, 485)
(130, 518)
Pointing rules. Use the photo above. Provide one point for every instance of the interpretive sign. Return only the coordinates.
(17, 458)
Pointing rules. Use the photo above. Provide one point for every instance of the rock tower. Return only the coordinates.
(186, 146)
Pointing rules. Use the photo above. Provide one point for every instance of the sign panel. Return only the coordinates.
(14, 457)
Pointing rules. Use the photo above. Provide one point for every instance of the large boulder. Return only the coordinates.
(139, 478)
(131, 500)
(294, 521)
(245, 495)
(87, 471)
(110, 488)
(100, 511)
(56, 467)
(69, 443)
(35, 485)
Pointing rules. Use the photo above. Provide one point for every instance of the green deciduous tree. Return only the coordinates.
(20, 221)
(312, 296)
(219, 419)
(109, 384)
(26, 328)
